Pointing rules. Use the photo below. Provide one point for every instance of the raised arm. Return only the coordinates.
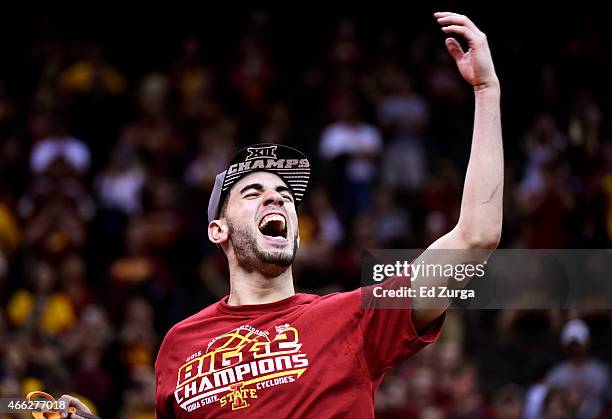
(480, 222)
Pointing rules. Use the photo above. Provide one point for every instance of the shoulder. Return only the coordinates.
(599, 369)
(557, 371)
(335, 300)
(187, 324)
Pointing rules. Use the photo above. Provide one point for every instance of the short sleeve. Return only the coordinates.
(389, 336)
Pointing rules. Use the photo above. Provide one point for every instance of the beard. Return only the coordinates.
(251, 256)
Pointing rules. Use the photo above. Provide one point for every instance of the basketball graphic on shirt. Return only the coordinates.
(236, 365)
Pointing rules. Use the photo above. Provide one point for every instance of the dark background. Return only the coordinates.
(113, 279)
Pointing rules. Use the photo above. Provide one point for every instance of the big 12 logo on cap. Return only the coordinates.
(268, 152)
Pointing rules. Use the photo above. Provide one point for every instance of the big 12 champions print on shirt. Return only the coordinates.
(236, 366)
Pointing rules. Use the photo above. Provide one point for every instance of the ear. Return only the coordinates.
(218, 231)
(298, 238)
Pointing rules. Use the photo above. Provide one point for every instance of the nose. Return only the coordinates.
(273, 198)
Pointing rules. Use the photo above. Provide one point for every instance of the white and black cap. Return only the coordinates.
(291, 165)
(575, 331)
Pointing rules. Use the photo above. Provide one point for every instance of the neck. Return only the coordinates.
(255, 287)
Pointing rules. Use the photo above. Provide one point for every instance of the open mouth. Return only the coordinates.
(273, 225)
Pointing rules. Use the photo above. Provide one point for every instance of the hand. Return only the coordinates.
(73, 402)
(476, 65)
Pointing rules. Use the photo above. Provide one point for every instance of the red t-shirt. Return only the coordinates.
(302, 357)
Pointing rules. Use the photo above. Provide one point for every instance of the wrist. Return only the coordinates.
(491, 87)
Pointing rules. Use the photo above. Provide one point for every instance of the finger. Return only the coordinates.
(456, 19)
(70, 401)
(463, 31)
(442, 14)
(473, 38)
(66, 403)
(79, 405)
(454, 48)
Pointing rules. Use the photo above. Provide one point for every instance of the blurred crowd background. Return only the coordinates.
(112, 130)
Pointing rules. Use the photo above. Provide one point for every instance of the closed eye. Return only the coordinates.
(252, 195)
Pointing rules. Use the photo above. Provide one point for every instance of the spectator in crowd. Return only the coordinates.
(404, 115)
(468, 401)
(508, 402)
(121, 183)
(41, 307)
(60, 148)
(585, 380)
(359, 144)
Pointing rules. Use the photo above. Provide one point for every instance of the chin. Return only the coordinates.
(277, 252)
(276, 256)
(278, 259)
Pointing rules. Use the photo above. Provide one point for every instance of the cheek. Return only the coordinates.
(243, 214)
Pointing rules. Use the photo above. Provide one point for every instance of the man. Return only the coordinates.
(584, 379)
(265, 351)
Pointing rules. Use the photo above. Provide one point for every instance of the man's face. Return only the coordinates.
(262, 221)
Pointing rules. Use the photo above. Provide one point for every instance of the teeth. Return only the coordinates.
(272, 217)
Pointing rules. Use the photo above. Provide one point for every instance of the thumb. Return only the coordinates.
(454, 49)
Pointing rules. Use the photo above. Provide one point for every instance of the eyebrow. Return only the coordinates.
(259, 187)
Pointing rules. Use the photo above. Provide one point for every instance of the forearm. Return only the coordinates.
(478, 229)
(480, 219)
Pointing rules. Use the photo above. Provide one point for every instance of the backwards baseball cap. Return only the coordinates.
(291, 165)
